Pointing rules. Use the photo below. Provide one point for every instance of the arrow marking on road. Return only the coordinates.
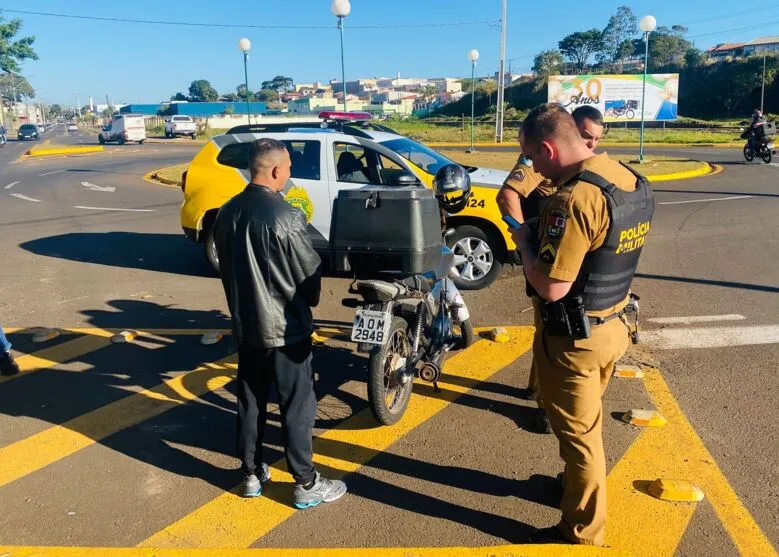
(731, 198)
(669, 339)
(112, 209)
(12, 184)
(98, 188)
(24, 197)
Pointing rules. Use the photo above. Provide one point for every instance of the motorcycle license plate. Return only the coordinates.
(371, 326)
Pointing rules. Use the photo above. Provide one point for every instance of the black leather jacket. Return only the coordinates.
(270, 272)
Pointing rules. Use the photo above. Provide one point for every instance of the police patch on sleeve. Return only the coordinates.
(547, 254)
(518, 175)
(555, 223)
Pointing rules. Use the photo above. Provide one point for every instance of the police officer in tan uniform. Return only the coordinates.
(580, 266)
(523, 195)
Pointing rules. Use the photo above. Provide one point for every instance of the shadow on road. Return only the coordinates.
(164, 253)
(710, 282)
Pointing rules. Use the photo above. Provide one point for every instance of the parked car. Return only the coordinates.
(123, 128)
(350, 152)
(180, 125)
(28, 131)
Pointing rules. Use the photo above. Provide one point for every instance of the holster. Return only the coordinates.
(566, 317)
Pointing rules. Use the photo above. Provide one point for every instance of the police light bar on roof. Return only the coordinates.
(335, 116)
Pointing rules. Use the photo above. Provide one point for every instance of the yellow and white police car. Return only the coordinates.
(346, 150)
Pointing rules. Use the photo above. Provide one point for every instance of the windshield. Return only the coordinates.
(27, 127)
(424, 157)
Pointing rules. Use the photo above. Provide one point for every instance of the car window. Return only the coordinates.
(305, 156)
(422, 156)
(182, 119)
(363, 165)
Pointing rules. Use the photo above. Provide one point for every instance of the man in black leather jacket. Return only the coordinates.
(272, 278)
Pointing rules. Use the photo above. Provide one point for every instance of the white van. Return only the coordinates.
(122, 128)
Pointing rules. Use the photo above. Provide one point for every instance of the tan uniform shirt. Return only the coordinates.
(576, 221)
(523, 179)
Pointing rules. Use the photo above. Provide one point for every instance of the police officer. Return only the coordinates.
(580, 266)
(524, 194)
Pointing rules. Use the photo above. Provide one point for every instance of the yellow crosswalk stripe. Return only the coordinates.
(230, 521)
(55, 355)
(53, 444)
(636, 520)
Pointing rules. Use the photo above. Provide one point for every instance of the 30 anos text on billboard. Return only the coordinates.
(618, 97)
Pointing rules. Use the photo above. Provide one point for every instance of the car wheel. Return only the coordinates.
(476, 261)
(120, 140)
(140, 141)
(100, 140)
(194, 136)
(209, 245)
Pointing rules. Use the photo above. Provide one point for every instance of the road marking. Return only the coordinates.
(55, 355)
(230, 521)
(95, 187)
(52, 172)
(111, 331)
(670, 339)
(53, 444)
(731, 198)
(24, 197)
(638, 521)
(695, 319)
(113, 209)
(12, 184)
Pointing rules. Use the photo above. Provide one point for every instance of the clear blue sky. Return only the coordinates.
(150, 62)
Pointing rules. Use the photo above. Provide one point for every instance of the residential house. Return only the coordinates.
(762, 46)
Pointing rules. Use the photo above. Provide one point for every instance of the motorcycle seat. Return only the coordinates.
(377, 290)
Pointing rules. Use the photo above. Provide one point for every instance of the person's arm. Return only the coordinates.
(509, 204)
(548, 288)
(303, 261)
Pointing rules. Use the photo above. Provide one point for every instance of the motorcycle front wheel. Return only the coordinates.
(388, 395)
(749, 155)
(766, 155)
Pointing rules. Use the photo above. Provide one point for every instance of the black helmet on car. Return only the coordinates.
(452, 187)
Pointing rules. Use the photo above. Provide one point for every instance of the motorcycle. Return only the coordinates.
(407, 326)
(3, 140)
(763, 149)
(760, 141)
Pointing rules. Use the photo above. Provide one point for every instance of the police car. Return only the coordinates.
(346, 150)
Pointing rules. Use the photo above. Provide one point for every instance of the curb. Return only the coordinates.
(704, 170)
(153, 178)
(602, 144)
(35, 153)
(161, 141)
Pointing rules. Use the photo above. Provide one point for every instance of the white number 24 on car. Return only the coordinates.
(371, 326)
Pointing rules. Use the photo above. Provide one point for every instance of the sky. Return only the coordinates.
(147, 63)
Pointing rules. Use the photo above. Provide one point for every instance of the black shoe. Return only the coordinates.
(552, 534)
(526, 394)
(8, 365)
(542, 424)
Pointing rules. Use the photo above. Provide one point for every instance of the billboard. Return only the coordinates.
(618, 97)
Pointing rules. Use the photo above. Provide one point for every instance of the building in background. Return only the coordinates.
(195, 109)
(723, 51)
(761, 46)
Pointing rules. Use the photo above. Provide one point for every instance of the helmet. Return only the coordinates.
(452, 187)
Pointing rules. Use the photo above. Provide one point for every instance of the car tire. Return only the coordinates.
(100, 140)
(193, 136)
(120, 140)
(167, 134)
(209, 246)
(478, 253)
(140, 141)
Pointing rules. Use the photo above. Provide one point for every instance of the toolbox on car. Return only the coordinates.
(385, 229)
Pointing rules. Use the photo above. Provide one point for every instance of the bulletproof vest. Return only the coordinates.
(533, 204)
(606, 273)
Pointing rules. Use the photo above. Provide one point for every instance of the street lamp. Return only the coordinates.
(341, 9)
(244, 45)
(473, 55)
(647, 24)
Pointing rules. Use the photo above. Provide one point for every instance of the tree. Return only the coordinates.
(241, 89)
(108, 112)
(428, 92)
(667, 47)
(279, 82)
(580, 46)
(179, 97)
(55, 111)
(14, 88)
(267, 95)
(201, 91)
(621, 28)
(231, 97)
(12, 52)
(547, 62)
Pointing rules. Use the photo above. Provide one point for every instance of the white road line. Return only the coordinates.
(695, 319)
(705, 200)
(20, 196)
(669, 339)
(52, 172)
(95, 187)
(113, 209)
(12, 184)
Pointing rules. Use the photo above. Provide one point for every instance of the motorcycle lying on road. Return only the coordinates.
(408, 326)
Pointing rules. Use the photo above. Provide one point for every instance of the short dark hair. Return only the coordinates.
(260, 150)
(586, 112)
(548, 120)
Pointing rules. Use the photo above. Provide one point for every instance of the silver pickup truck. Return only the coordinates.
(180, 125)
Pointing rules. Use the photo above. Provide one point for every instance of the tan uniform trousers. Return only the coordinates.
(572, 375)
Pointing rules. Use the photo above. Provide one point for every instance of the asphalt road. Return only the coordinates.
(86, 242)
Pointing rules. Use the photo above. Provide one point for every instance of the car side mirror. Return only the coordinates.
(405, 179)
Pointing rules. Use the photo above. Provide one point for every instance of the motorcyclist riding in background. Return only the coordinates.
(3, 133)
(757, 120)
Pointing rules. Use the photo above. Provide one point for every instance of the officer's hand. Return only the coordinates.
(521, 236)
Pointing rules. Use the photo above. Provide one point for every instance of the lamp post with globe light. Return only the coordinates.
(244, 45)
(647, 24)
(341, 9)
(473, 56)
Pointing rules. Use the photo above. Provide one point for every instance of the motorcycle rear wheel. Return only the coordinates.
(387, 396)
(468, 336)
(749, 154)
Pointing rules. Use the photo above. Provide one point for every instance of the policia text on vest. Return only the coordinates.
(633, 238)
